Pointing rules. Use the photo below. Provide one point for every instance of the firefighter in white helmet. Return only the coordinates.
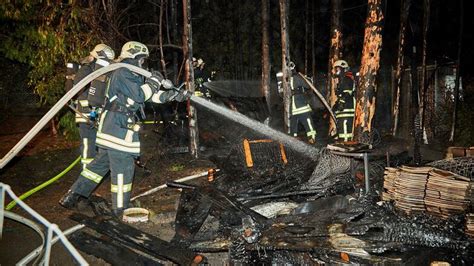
(117, 136)
(200, 76)
(345, 103)
(300, 110)
(87, 110)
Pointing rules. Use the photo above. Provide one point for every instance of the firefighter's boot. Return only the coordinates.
(70, 200)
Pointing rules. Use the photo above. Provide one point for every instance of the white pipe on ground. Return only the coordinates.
(184, 179)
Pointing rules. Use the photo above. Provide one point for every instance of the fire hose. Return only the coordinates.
(243, 120)
(62, 102)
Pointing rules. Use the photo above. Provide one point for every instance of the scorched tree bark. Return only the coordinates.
(400, 59)
(370, 63)
(335, 53)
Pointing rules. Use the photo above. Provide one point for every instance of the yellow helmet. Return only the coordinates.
(133, 49)
(103, 51)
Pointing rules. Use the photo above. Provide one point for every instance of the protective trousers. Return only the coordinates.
(344, 125)
(121, 166)
(88, 150)
(306, 120)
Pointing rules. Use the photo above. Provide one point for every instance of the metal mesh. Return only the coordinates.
(328, 165)
(463, 166)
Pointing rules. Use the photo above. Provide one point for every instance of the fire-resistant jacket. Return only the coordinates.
(126, 93)
(82, 102)
(345, 96)
(299, 103)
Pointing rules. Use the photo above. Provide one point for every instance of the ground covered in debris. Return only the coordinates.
(286, 208)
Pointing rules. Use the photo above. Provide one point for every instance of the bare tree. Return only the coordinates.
(458, 71)
(335, 53)
(404, 11)
(160, 36)
(266, 52)
(174, 36)
(189, 77)
(285, 59)
(313, 41)
(370, 63)
(423, 83)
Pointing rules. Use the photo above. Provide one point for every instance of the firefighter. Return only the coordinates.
(300, 110)
(345, 103)
(117, 136)
(87, 112)
(200, 76)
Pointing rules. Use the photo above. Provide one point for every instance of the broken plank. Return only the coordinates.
(109, 250)
(132, 237)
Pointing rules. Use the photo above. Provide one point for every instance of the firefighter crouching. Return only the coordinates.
(345, 104)
(117, 135)
(90, 100)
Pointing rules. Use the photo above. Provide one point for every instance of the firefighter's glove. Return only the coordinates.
(183, 95)
(154, 83)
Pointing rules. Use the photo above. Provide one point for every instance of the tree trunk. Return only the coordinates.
(162, 56)
(370, 63)
(458, 71)
(313, 42)
(174, 36)
(306, 38)
(404, 11)
(335, 53)
(285, 59)
(423, 83)
(189, 77)
(415, 115)
(266, 53)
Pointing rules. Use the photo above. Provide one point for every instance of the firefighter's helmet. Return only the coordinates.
(103, 51)
(341, 63)
(134, 50)
(200, 62)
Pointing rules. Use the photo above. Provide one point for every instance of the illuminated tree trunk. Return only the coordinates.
(335, 53)
(404, 11)
(370, 63)
(285, 59)
(458, 71)
(266, 52)
(189, 77)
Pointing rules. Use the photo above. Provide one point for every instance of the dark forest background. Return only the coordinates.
(37, 38)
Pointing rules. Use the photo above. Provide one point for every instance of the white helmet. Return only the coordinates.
(134, 49)
(200, 62)
(103, 51)
(341, 63)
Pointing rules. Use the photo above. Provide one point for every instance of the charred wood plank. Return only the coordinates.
(222, 201)
(134, 238)
(109, 250)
